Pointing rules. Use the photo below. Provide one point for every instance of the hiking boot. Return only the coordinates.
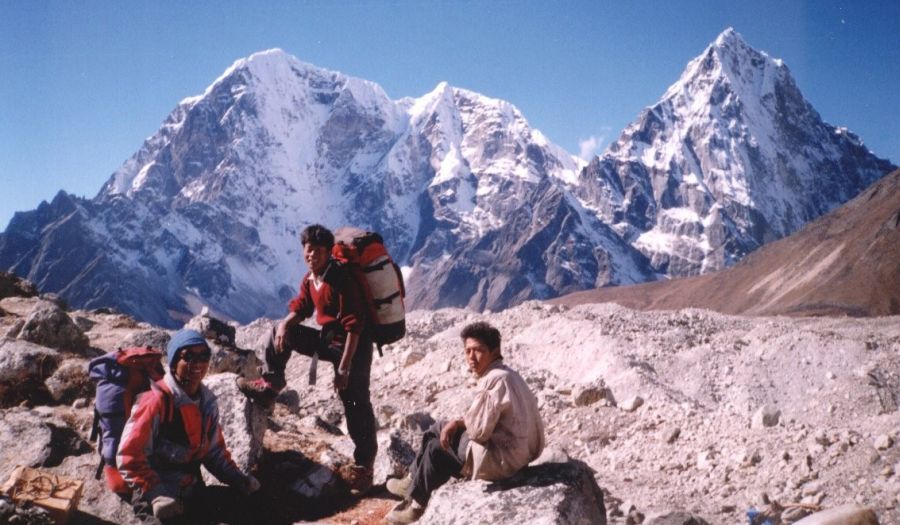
(407, 511)
(399, 487)
(357, 477)
(259, 391)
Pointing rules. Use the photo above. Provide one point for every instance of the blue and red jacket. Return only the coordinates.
(166, 439)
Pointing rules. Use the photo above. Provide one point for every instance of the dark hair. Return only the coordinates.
(484, 333)
(318, 235)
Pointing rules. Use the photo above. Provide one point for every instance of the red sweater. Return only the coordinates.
(335, 300)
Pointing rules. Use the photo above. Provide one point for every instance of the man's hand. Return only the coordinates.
(341, 379)
(165, 507)
(280, 332)
(448, 432)
(252, 485)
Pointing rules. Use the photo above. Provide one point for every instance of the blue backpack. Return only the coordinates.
(120, 377)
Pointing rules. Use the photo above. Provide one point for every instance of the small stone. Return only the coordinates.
(411, 357)
(766, 416)
(888, 471)
(631, 404)
(821, 437)
(830, 375)
(585, 395)
(672, 435)
(883, 442)
(812, 488)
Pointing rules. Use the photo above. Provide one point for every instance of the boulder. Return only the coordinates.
(98, 505)
(37, 438)
(23, 368)
(212, 328)
(48, 325)
(70, 381)
(13, 286)
(843, 515)
(550, 493)
(243, 423)
(154, 337)
(394, 457)
(227, 359)
(676, 517)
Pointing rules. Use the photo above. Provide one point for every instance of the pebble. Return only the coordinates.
(766, 416)
(883, 442)
(631, 404)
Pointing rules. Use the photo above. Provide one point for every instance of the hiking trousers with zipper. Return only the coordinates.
(356, 398)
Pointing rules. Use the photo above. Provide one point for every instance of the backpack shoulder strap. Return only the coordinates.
(168, 401)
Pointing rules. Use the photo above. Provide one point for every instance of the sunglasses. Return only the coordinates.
(196, 357)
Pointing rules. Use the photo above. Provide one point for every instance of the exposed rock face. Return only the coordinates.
(49, 325)
(552, 493)
(730, 158)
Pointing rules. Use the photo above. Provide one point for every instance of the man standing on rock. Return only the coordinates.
(329, 291)
(500, 433)
(173, 429)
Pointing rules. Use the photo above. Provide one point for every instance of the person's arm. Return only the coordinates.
(449, 430)
(289, 320)
(136, 447)
(300, 308)
(486, 409)
(342, 377)
(352, 317)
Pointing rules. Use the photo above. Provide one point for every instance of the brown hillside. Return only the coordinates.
(844, 263)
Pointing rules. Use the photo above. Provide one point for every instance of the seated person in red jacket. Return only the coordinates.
(173, 429)
(330, 292)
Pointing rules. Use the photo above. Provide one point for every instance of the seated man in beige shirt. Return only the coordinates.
(500, 433)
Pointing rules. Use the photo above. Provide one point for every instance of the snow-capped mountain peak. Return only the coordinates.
(483, 209)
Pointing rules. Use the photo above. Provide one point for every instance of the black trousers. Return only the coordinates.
(207, 505)
(433, 465)
(356, 397)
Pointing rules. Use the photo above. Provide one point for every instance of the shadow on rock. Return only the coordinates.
(296, 488)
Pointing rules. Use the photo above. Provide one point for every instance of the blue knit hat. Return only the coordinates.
(181, 339)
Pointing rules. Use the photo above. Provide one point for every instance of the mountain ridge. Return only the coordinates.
(482, 209)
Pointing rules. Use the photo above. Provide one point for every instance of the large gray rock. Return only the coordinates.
(13, 286)
(48, 325)
(154, 337)
(551, 493)
(70, 381)
(843, 515)
(98, 505)
(395, 455)
(37, 438)
(212, 328)
(23, 368)
(676, 517)
(227, 359)
(243, 423)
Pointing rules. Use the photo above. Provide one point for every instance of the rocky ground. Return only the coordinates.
(686, 410)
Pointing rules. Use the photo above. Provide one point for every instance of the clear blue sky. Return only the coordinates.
(82, 84)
